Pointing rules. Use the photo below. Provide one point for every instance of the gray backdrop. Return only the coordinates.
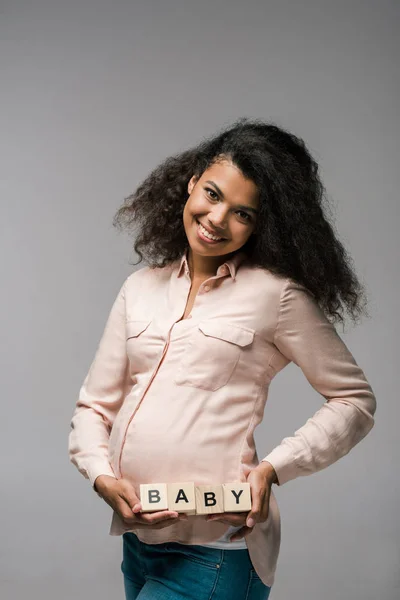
(94, 95)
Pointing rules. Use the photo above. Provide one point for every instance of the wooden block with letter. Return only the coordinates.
(181, 497)
(153, 496)
(209, 499)
(237, 496)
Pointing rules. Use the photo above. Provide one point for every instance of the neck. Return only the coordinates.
(205, 266)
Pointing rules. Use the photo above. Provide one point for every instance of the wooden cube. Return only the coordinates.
(153, 496)
(181, 497)
(209, 499)
(237, 496)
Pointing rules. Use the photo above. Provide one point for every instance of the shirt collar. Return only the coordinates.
(232, 264)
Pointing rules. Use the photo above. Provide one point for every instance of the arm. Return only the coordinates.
(100, 398)
(305, 336)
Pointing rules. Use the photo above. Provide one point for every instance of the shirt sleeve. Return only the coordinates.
(305, 336)
(100, 397)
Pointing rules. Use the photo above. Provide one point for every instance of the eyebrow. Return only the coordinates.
(244, 206)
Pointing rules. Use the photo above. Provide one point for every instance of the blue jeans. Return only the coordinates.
(172, 571)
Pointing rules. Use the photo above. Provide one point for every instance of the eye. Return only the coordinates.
(212, 191)
(247, 217)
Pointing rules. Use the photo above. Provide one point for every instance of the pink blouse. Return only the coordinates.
(169, 400)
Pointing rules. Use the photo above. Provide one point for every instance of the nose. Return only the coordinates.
(218, 218)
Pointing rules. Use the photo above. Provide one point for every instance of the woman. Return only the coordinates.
(244, 275)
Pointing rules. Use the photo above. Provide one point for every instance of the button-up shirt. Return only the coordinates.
(169, 400)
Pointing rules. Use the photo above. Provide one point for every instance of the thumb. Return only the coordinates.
(256, 498)
(129, 495)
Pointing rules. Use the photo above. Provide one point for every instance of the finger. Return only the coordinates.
(125, 511)
(157, 517)
(146, 519)
(258, 491)
(127, 492)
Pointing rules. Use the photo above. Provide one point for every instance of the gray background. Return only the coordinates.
(94, 95)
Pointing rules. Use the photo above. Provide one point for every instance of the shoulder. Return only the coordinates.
(147, 275)
(282, 287)
(264, 282)
(281, 295)
(298, 309)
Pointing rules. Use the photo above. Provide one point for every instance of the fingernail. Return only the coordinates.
(250, 522)
(136, 507)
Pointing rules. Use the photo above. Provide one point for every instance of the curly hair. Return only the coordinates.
(293, 235)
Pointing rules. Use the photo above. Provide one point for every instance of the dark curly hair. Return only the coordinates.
(293, 236)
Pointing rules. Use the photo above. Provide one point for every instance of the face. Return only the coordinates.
(224, 203)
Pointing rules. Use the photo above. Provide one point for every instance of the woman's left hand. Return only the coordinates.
(260, 479)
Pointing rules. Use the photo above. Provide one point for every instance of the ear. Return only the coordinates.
(192, 183)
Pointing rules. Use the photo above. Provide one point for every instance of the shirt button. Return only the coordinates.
(206, 288)
(224, 269)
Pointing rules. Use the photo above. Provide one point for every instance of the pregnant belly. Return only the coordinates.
(155, 453)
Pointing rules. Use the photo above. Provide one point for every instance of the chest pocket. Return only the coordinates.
(141, 347)
(212, 353)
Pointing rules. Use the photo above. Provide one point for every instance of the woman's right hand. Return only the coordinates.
(121, 496)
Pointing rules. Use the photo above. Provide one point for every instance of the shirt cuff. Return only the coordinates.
(281, 459)
(96, 469)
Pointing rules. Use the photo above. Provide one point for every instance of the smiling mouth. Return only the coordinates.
(207, 234)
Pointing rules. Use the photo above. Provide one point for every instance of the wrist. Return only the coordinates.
(269, 471)
(101, 482)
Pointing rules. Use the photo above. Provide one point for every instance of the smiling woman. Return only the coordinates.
(215, 220)
(244, 275)
(290, 233)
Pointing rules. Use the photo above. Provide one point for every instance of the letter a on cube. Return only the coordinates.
(181, 497)
(237, 496)
(209, 499)
(153, 496)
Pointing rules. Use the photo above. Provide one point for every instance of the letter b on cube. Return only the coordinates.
(153, 496)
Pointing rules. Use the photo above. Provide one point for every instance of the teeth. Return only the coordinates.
(208, 235)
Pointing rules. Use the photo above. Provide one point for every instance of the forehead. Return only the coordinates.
(232, 183)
